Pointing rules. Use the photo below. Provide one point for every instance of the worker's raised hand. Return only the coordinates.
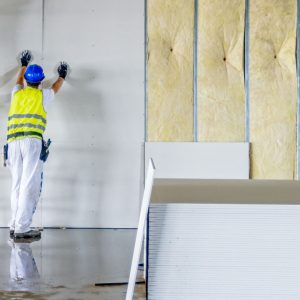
(63, 69)
(25, 58)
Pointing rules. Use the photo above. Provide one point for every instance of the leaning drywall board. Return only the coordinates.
(273, 88)
(20, 28)
(170, 70)
(92, 178)
(221, 99)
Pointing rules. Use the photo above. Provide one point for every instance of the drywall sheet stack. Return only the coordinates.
(221, 99)
(217, 252)
(20, 28)
(170, 70)
(273, 88)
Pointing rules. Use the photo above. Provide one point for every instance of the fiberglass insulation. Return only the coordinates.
(170, 70)
(272, 88)
(221, 99)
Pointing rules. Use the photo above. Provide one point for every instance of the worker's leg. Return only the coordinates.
(30, 183)
(15, 165)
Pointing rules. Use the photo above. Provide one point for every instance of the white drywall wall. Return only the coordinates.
(93, 176)
(20, 28)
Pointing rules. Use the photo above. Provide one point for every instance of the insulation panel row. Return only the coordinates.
(220, 101)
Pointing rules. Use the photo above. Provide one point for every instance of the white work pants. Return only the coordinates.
(26, 169)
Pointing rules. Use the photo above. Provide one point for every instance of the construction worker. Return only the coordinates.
(27, 121)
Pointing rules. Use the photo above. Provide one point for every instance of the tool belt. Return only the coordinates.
(43, 156)
(5, 154)
(45, 150)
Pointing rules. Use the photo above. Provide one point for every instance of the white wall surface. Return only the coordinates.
(93, 176)
(20, 28)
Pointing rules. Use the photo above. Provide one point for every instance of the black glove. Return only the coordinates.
(63, 69)
(25, 58)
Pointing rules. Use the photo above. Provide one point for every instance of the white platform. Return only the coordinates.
(224, 240)
(218, 252)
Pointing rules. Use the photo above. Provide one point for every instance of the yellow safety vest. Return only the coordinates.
(27, 117)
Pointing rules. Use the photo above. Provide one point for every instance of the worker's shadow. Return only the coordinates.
(78, 80)
(82, 118)
(7, 77)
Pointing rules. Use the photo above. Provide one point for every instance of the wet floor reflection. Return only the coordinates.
(24, 274)
(66, 264)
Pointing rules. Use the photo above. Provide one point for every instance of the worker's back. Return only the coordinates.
(27, 117)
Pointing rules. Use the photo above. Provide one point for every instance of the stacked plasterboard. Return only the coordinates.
(223, 251)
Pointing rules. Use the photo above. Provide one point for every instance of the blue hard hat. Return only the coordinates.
(34, 74)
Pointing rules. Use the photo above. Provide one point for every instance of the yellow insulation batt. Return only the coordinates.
(273, 88)
(221, 96)
(170, 70)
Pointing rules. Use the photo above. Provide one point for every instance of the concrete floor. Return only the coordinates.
(66, 264)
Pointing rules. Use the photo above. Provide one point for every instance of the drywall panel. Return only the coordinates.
(221, 96)
(273, 88)
(170, 70)
(93, 176)
(20, 28)
(199, 160)
(217, 252)
(141, 230)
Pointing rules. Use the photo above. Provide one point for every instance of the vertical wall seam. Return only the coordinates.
(145, 71)
(43, 29)
(145, 87)
(298, 90)
(42, 60)
(195, 71)
(246, 73)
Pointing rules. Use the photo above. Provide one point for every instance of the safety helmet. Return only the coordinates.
(34, 74)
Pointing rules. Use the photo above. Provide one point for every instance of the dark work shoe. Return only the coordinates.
(31, 234)
(11, 233)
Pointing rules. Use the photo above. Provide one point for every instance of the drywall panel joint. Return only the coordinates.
(145, 69)
(195, 85)
(298, 89)
(246, 73)
(43, 29)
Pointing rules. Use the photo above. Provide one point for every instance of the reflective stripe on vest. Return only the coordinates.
(27, 117)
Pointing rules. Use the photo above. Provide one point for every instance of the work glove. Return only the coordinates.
(25, 58)
(63, 69)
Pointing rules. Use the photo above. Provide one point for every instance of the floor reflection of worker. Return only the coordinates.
(24, 273)
(27, 121)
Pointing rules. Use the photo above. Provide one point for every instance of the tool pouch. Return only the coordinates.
(5, 154)
(45, 150)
